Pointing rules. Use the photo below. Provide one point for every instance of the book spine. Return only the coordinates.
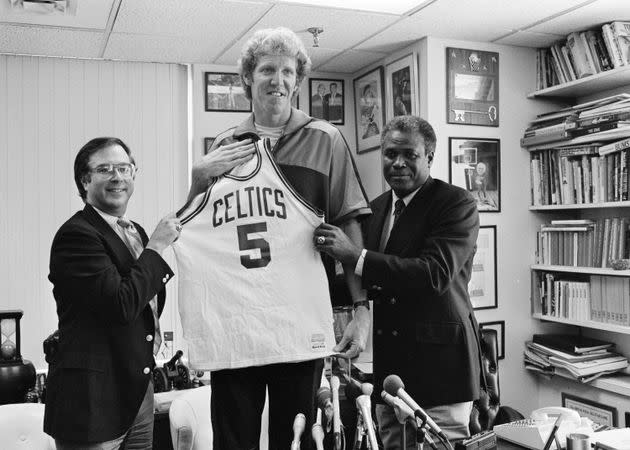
(613, 51)
(598, 128)
(621, 33)
(590, 62)
(578, 52)
(614, 147)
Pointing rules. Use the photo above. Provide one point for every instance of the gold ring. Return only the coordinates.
(321, 240)
(178, 227)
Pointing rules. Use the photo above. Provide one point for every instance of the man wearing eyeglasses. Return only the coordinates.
(109, 285)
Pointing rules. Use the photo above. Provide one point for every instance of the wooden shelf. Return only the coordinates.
(588, 85)
(604, 205)
(604, 136)
(586, 324)
(619, 383)
(606, 271)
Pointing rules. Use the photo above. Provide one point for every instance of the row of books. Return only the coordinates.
(583, 242)
(584, 53)
(579, 175)
(549, 354)
(600, 299)
(606, 119)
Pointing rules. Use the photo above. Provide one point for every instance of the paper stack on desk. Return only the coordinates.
(618, 439)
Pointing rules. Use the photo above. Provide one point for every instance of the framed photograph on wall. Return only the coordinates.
(472, 87)
(482, 287)
(368, 110)
(207, 144)
(326, 100)
(499, 327)
(401, 87)
(225, 93)
(475, 165)
(597, 412)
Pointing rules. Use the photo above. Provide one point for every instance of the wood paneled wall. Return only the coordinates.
(49, 108)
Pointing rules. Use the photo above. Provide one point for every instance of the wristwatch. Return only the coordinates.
(365, 303)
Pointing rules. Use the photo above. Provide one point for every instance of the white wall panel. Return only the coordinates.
(49, 108)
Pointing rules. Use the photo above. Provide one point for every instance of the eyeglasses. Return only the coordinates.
(125, 170)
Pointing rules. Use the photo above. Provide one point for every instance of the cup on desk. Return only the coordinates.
(578, 441)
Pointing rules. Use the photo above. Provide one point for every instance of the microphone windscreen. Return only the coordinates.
(324, 396)
(352, 391)
(392, 383)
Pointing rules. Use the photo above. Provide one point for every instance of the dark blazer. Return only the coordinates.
(102, 368)
(424, 327)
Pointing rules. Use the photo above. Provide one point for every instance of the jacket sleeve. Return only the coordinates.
(441, 256)
(85, 276)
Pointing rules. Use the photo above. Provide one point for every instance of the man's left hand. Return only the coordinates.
(334, 242)
(355, 335)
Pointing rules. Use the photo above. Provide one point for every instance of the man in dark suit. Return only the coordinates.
(420, 243)
(109, 284)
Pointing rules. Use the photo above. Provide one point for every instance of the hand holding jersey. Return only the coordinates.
(219, 161)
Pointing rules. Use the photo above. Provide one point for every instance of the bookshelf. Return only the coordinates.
(618, 383)
(588, 85)
(596, 209)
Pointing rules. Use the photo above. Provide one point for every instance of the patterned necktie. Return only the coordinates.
(398, 209)
(134, 244)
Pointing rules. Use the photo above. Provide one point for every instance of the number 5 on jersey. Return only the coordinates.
(245, 243)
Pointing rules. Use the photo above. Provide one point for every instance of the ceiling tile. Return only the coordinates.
(90, 14)
(221, 21)
(588, 16)
(138, 47)
(351, 61)
(45, 41)
(529, 39)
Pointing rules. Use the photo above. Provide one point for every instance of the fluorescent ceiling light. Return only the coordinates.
(381, 6)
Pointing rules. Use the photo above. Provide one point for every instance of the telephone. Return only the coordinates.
(534, 432)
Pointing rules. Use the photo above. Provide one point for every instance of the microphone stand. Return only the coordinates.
(359, 433)
(420, 433)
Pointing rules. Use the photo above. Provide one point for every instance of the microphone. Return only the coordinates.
(334, 385)
(318, 432)
(402, 411)
(324, 401)
(298, 428)
(364, 405)
(393, 385)
(365, 388)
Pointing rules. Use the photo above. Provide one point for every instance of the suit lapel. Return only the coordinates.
(115, 242)
(406, 227)
(380, 209)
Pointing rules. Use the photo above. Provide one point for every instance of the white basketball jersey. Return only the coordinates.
(252, 289)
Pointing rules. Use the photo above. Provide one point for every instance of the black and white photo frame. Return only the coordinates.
(475, 165)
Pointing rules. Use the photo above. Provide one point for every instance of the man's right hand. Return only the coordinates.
(166, 232)
(219, 161)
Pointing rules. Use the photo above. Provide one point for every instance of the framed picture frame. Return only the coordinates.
(475, 165)
(401, 87)
(368, 109)
(482, 287)
(224, 92)
(207, 144)
(326, 100)
(499, 327)
(472, 87)
(597, 412)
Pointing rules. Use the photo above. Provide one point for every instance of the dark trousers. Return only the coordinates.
(238, 399)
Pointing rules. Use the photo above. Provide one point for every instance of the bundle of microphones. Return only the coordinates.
(327, 431)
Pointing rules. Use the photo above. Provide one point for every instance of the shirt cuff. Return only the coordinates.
(358, 269)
